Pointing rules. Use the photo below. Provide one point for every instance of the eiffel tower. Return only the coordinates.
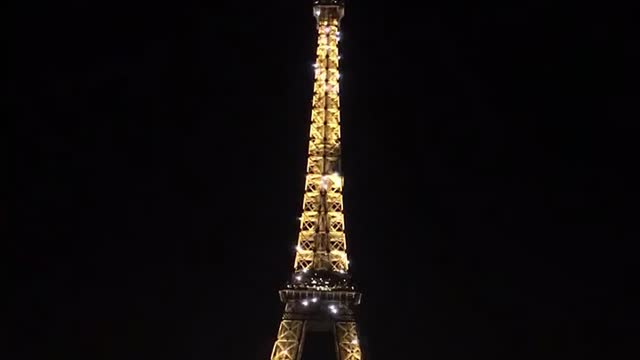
(319, 297)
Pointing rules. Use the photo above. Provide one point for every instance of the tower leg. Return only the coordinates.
(348, 343)
(287, 346)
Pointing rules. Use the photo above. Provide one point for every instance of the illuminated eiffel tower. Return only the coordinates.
(319, 295)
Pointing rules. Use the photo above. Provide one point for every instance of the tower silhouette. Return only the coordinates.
(320, 296)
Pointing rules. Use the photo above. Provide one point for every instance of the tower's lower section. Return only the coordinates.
(308, 311)
(290, 342)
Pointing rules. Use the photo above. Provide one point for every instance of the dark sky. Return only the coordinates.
(489, 153)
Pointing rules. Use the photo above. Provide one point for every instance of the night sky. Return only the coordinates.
(489, 155)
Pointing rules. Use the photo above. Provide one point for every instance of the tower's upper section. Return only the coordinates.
(328, 3)
(328, 9)
(322, 243)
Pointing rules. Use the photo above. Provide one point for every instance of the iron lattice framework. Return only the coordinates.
(320, 296)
